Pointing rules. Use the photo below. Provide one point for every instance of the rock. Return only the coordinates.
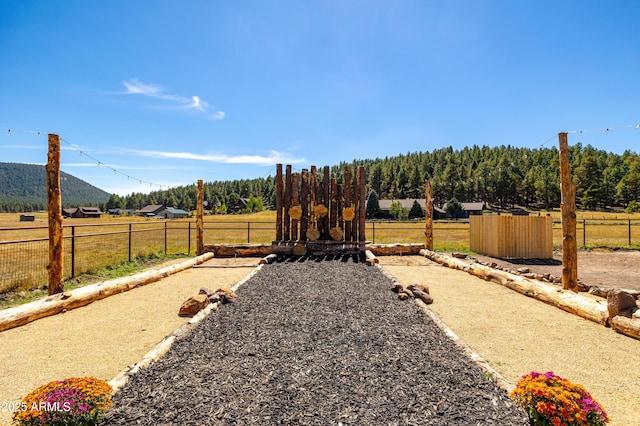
(227, 295)
(599, 291)
(214, 298)
(524, 270)
(620, 302)
(582, 287)
(403, 295)
(556, 280)
(425, 297)
(397, 288)
(493, 265)
(193, 305)
(546, 277)
(418, 287)
(206, 291)
(530, 275)
(459, 255)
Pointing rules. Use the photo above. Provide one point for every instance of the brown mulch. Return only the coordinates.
(314, 342)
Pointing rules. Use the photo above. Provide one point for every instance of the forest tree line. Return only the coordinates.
(502, 176)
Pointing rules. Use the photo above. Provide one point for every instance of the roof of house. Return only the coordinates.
(176, 211)
(151, 208)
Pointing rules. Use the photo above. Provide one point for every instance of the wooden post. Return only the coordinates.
(293, 203)
(304, 203)
(428, 217)
(362, 213)
(312, 198)
(347, 202)
(333, 210)
(54, 207)
(287, 203)
(200, 219)
(326, 196)
(279, 202)
(568, 208)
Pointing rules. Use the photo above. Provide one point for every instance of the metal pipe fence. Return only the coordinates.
(24, 251)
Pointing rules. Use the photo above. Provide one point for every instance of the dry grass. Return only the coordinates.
(105, 241)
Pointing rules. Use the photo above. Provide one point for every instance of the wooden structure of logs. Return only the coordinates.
(313, 208)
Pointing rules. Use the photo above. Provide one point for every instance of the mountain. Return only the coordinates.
(23, 188)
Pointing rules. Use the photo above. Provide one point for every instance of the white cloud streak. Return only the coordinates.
(268, 160)
(137, 87)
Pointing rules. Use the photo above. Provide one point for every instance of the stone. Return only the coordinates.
(206, 291)
(425, 297)
(227, 295)
(193, 305)
(524, 270)
(418, 287)
(459, 255)
(530, 275)
(620, 302)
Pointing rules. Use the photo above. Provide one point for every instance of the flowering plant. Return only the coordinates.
(551, 400)
(75, 401)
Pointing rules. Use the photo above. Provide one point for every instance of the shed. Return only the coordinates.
(171, 213)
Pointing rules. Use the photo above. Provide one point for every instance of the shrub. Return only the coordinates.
(550, 400)
(74, 401)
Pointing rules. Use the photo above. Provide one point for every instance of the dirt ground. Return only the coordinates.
(512, 332)
(602, 268)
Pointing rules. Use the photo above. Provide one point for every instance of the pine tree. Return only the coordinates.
(373, 204)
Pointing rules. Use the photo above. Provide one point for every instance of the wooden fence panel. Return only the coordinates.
(517, 237)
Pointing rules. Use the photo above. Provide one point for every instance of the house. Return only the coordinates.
(171, 213)
(152, 210)
(82, 212)
(470, 209)
(241, 204)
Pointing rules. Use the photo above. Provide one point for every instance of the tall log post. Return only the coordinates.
(347, 202)
(287, 203)
(279, 205)
(340, 207)
(362, 213)
(568, 208)
(304, 203)
(200, 219)
(428, 217)
(312, 198)
(54, 208)
(294, 202)
(333, 211)
(326, 196)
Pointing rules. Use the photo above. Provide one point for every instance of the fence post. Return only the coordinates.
(584, 232)
(73, 251)
(130, 235)
(568, 207)
(248, 232)
(200, 218)
(428, 216)
(165, 238)
(54, 207)
(629, 232)
(373, 232)
(189, 239)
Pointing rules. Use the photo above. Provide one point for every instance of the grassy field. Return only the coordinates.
(98, 243)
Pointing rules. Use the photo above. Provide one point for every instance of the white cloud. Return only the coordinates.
(273, 157)
(137, 87)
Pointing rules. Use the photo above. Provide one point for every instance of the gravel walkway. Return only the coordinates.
(320, 341)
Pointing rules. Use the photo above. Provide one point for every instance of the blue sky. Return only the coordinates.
(163, 93)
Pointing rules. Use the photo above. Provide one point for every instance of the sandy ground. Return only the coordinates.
(514, 333)
(105, 337)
